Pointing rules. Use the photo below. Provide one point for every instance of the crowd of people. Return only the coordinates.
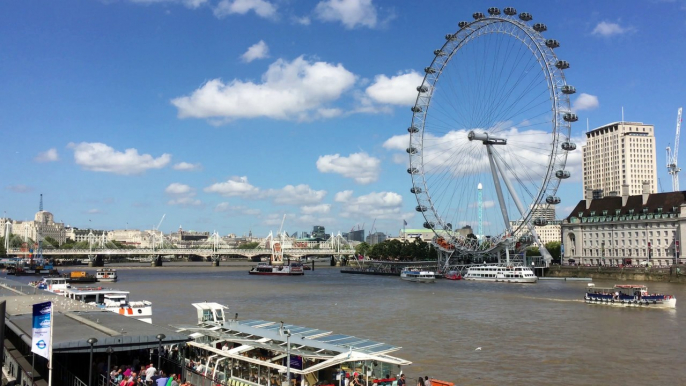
(144, 376)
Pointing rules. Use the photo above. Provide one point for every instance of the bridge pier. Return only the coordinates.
(95, 261)
(215, 262)
(156, 261)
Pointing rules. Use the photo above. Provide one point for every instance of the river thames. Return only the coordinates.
(529, 334)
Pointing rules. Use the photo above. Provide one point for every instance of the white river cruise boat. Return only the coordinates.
(628, 295)
(113, 300)
(502, 273)
(106, 275)
(418, 275)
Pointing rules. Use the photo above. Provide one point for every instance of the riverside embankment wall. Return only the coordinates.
(671, 274)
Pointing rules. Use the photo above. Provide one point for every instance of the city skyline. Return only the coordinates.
(120, 112)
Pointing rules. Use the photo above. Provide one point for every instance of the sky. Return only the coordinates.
(238, 115)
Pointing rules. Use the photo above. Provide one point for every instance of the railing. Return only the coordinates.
(222, 251)
(62, 376)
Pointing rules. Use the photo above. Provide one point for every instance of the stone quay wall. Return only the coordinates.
(673, 274)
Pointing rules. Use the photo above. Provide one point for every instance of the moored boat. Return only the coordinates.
(452, 275)
(277, 266)
(501, 273)
(80, 277)
(106, 275)
(417, 275)
(628, 295)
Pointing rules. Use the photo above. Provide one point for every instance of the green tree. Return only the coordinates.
(533, 251)
(3, 251)
(50, 242)
(362, 249)
(394, 249)
(250, 245)
(555, 249)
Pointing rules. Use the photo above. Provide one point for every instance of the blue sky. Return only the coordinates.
(226, 115)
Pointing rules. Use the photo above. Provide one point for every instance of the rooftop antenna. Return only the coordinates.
(587, 127)
(622, 114)
(40, 206)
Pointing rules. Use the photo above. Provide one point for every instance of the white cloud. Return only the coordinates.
(295, 195)
(239, 209)
(192, 4)
(380, 205)
(361, 167)
(351, 13)
(49, 155)
(288, 91)
(187, 167)
(93, 211)
(185, 201)
(301, 20)
(585, 102)
(177, 188)
(605, 29)
(262, 8)
(19, 188)
(259, 50)
(99, 157)
(321, 208)
(235, 186)
(397, 90)
(343, 196)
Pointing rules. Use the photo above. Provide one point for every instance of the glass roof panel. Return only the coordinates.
(378, 349)
(331, 338)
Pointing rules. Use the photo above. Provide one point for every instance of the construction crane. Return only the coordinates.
(672, 167)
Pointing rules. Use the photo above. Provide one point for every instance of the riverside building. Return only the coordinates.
(626, 229)
(620, 153)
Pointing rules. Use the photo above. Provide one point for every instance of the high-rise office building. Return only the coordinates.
(619, 153)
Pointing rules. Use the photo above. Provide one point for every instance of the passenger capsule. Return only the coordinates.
(567, 89)
(416, 109)
(509, 11)
(415, 190)
(562, 174)
(539, 222)
(420, 208)
(525, 16)
(554, 200)
(493, 11)
(462, 24)
(552, 43)
(411, 150)
(439, 53)
(450, 37)
(430, 70)
(569, 117)
(413, 129)
(422, 88)
(526, 239)
(540, 27)
(412, 170)
(429, 225)
(562, 64)
(478, 15)
(568, 146)
(449, 226)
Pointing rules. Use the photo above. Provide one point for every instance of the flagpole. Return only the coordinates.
(52, 323)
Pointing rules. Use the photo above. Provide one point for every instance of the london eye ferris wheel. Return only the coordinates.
(490, 132)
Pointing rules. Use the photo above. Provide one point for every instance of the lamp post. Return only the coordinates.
(159, 350)
(109, 352)
(91, 341)
(288, 356)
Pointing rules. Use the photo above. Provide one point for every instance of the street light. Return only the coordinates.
(91, 341)
(288, 356)
(159, 350)
(109, 352)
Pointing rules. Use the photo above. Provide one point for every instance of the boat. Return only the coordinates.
(80, 277)
(501, 273)
(22, 267)
(106, 275)
(452, 275)
(417, 275)
(109, 299)
(277, 266)
(628, 295)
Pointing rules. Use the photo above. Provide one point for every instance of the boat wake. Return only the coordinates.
(556, 300)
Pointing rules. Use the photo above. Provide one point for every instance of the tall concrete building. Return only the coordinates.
(619, 153)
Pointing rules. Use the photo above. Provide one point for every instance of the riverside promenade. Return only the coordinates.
(672, 274)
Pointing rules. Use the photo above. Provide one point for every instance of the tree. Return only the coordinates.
(51, 242)
(555, 249)
(250, 245)
(362, 249)
(533, 251)
(3, 251)
(393, 248)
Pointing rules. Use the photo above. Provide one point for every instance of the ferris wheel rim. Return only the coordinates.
(555, 79)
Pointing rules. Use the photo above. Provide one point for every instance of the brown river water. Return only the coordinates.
(529, 334)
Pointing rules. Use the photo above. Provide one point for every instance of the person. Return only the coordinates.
(420, 381)
(427, 382)
(149, 373)
(401, 381)
(162, 380)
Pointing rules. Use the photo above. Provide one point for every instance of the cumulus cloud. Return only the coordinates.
(239, 209)
(351, 13)
(606, 29)
(99, 157)
(259, 50)
(187, 167)
(177, 188)
(289, 91)
(381, 205)
(49, 155)
(397, 90)
(361, 167)
(585, 102)
(295, 195)
(235, 186)
(301, 20)
(262, 8)
(185, 201)
(321, 208)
